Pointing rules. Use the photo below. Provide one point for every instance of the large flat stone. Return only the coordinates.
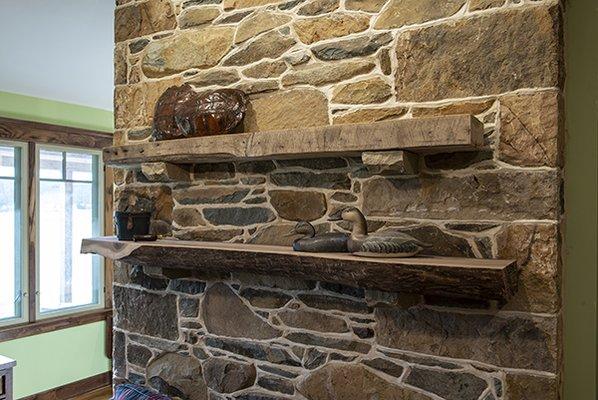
(536, 249)
(507, 194)
(177, 375)
(210, 195)
(226, 376)
(409, 12)
(143, 19)
(530, 387)
(367, 91)
(313, 321)
(432, 69)
(234, 4)
(511, 341)
(259, 22)
(365, 5)
(531, 133)
(364, 115)
(180, 52)
(160, 309)
(349, 48)
(340, 381)
(239, 216)
(301, 179)
(258, 351)
(270, 45)
(339, 24)
(298, 108)
(449, 385)
(298, 205)
(225, 314)
(318, 74)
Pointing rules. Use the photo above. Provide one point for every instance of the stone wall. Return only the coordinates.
(315, 62)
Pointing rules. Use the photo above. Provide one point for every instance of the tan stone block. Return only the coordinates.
(196, 16)
(370, 115)
(316, 7)
(256, 87)
(179, 52)
(270, 45)
(373, 6)
(367, 91)
(120, 64)
(298, 205)
(531, 129)
(128, 106)
(409, 12)
(432, 69)
(537, 251)
(322, 73)
(235, 4)
(220, 77)
(487, 195)
(259, 22)
(330, 26)
(164, 172)
(532, 387)
(286, 110)
(469, 107)
(475, 5)
(266, 69)
(385, 63)
(187, 217)
(143, 19)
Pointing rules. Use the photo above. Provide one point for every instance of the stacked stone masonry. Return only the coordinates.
(317, 62)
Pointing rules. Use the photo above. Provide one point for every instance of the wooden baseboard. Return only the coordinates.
(73, 389)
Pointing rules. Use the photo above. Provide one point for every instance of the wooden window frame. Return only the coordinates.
(34, 134)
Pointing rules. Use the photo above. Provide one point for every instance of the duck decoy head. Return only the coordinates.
(347, 214)
(303, 228)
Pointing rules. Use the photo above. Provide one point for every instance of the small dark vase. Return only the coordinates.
(130, 224)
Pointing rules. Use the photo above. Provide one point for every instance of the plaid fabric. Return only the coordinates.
(134, 392)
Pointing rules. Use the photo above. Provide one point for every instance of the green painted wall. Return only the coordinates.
(581, 200)
(54, 112)
(54, 359)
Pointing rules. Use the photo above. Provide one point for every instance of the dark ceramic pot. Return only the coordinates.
(130, 224)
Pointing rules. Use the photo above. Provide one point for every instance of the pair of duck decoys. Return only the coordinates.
(386, 243)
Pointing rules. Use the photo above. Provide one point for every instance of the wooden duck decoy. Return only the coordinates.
(386, 243)
(332, 242)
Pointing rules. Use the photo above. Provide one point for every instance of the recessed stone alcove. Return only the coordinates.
(323, 62)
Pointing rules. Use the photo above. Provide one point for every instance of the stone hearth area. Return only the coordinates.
(260, 337)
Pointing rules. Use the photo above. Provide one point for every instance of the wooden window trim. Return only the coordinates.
(35, 133)
(53, 324)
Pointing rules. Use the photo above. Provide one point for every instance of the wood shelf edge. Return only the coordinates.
(462, 132)
(488, 279)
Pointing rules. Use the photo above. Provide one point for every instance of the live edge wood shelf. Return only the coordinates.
(441, 276)
(418, 135)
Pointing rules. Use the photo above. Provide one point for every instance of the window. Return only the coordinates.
(12, 234)
(52, 189)
(68, 211)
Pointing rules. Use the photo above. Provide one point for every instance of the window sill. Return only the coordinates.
(53, 324)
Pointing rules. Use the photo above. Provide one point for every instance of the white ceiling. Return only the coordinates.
(58, 49)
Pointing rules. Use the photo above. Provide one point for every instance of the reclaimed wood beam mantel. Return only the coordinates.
(419, 135)
(442, 276)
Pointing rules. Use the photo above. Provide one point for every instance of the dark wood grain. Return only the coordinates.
(52, 324)
(441, 276)
(433, 134)
(29, 131)
(31, 232)
(70, 390)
